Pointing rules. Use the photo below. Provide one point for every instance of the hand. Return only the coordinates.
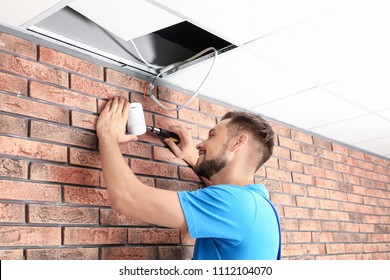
(186, 148)
(112, 121)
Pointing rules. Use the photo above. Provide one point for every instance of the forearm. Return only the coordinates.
(122, 184)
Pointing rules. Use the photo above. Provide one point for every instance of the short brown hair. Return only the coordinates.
(255, 125)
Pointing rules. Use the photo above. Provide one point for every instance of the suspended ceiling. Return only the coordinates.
(322, 66)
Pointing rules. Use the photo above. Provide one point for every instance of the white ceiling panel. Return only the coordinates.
(378, 146)
(241, 79)
(356, 130)
(309, 109)
(124, 18)
(334, 45)
(385, 113)
(241, 21)
(371, 91)
(19, 12)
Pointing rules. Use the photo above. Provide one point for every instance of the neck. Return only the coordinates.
(232, 176)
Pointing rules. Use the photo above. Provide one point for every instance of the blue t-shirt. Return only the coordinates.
(232, 222)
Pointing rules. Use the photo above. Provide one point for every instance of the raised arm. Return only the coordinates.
(127, 194)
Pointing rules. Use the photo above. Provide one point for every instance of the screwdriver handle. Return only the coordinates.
(167, 134)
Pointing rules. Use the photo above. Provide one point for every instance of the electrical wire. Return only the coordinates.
(164, 69)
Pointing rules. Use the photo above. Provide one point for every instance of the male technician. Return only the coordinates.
(232, 218)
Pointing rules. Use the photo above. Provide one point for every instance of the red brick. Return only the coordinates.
(127, 81)
(290, 143)
(335, 248)
(186, 239)
(70, 62)
(12, 213)
(314, 249)
(289, 250)
(86, 196)
(84, 158)
(280, 130)
(317, 214)
(153, 168)
(333, 175)
(165, 154)
(314, 170)
(63, 97)
(301, 137)
(318, 192)
(309, 225)
(63, 254)
(64, 174)
(128, 253)
(212, 109)
(186, 173)
(340, 149)
(323, 237)
(11, 254)
(164, 122)
(135, 148)
(326, 257)
(337, 195)
(281, 152)
(329, 204)
(110, 217)
(312, 150)
(29, 236)
(332, 156)
(153, 236)
(307, 202)
(49, 214)
(295, 212)
(26, 191)
(13, 168)
(174, 185)
(32, 149)
(95, 88)
(12, 125)
(261, 172)
(302, 179)
(278, 174)
(27, 107)
(294, 189)
(17, 45)
(282, 199)
(330, 226)
(354, 198)
(298, 237)
(177, 97)
(83, 235)
(300, 157)
(175, 252)
(197, 117)
(33, 70)
(149, 104)
(322, 143)
(323, 163)
(83, 120)
(13, 84)
(62, 134)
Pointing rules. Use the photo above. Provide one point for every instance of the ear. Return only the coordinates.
(238, 142)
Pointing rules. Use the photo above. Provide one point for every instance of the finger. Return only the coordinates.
(126, 109)
(107, 107)
(114, 105)
(172, 145)
(179, 130)
(121, 103)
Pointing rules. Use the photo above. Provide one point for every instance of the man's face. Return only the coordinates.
(212, 151)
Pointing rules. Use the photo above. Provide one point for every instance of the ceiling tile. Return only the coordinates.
(309, 109)
(370, 91)
(379, 146)
(126, 19)
(257, 18)
(240, 78)
(334, 45)
(365, 128)
(19, 12)
(385, 113)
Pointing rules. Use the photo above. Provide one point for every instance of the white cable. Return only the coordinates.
(169, 67)
(154, 66)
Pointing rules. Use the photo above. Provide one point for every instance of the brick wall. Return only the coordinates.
(334, 201)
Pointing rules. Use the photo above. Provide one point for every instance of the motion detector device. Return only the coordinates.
(136, 120)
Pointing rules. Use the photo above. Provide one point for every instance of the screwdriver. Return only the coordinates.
(164, 133)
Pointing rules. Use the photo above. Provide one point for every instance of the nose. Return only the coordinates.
(200, 145)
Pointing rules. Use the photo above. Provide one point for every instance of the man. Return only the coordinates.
(232, 218)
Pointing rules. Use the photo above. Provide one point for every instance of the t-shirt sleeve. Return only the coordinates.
(218, 212)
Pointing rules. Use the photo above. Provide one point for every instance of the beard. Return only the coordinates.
(209, 167)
